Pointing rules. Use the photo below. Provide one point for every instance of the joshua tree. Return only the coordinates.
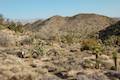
(115, 60)
(97, 51)
(95, 47)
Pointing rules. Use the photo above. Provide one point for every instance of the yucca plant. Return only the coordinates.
(97, 51)
(115, 60)
(95, 47)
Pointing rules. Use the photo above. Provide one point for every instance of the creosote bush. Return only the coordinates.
(89, 44)
(17, 27)
(70, 37)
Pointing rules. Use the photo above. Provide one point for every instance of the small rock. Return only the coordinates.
(33, 65)
(73, 50)
(35, 54)
(113, 74)
(62, 74)
(20, 54)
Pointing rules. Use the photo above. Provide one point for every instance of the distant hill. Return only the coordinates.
(82, 24)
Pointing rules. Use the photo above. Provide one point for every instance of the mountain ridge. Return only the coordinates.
(82, 24)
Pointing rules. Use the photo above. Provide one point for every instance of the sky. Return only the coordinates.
(34, 9)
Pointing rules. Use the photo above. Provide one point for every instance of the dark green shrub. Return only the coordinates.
(39, 50)
(15, 27)
(69, 38)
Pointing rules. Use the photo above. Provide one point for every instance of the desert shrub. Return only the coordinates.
(35, 51)
(26, 41)
(69, 37)
(95, 47)
(2, 27)
(12, 26)
(39, 50)
(88, 44)
(6, 40)
(112, 40)
(19, 28)
(15, 27)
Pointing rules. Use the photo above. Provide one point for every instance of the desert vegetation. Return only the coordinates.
(81, 47)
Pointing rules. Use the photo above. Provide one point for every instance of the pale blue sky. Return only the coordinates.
(28, 9)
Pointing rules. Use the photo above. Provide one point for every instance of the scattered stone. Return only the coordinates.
(113, 74)
(33, 65)
(20, 54)
(62, 74)
(73, 50)
(35, 54)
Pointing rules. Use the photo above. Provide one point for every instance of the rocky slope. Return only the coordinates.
(82, 24)
(111, 34)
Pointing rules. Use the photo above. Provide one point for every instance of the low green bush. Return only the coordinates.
(15, 27)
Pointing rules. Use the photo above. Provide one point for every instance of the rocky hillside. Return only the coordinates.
(111, 34)
(82, 24)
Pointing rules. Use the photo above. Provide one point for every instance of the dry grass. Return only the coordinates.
(6, 40)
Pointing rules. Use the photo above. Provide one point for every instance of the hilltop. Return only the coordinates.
(82, 24)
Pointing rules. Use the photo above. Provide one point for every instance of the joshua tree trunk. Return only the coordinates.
(97, 62)
(115, 63)
(115, 60)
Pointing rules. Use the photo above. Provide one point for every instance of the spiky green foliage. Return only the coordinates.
(68, 39)
(15, 27)
(97, 51)
(95, 47)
